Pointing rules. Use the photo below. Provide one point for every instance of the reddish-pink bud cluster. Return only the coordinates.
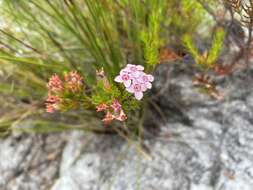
(73, 82)
(55, 84)
(113, 112)
(52, 103)
(101, 107)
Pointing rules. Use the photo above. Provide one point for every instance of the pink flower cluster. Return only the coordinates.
(135, 80)
(73, 83)
(55, 84)
(113, 112)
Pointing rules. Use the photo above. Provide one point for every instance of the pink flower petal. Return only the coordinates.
(138, 95)
(151, 78)
(118, 79)
(143, 87)
(136, 74)
(130, 65)
(140, 67)
(136, 80)
(148, 85)
(124, 71)
(130, 89)
(127, 83)
(116, 106)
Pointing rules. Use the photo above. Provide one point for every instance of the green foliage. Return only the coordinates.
(151, 35)
(208, 59)
(189, 44)
(217, 46)
(129, 103)
(186, 17)
(104, 94)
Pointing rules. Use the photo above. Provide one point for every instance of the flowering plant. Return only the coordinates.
(111, 99)
(99, 52)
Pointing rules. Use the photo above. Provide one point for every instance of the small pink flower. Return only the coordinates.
(109, 117)
(137, 89)
(124, 77)
(52, 103)
(134, 68)
(116, 106)
(146, 80)
(101, 107)
(50, 108)
(55, 84)
(74, 81)
(113, 112)
(122, 116)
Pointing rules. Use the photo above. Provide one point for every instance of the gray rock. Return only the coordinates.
(29, 162)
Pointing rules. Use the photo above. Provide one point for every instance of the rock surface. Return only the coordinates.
(29, 162)
(203, 144)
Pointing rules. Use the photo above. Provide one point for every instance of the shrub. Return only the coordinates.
(92, 60)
